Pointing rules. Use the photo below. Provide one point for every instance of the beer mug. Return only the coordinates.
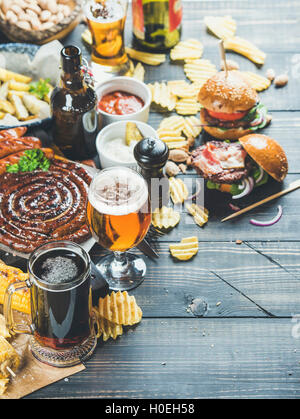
(62, 324)
(106, 22)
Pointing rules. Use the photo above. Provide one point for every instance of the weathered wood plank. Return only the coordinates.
(191, 358)
(230, 280)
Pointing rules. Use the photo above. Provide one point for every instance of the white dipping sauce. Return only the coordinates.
(117, 149)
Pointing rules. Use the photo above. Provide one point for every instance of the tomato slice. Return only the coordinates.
(227, 116)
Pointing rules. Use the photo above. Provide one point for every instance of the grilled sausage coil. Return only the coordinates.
(38, 206)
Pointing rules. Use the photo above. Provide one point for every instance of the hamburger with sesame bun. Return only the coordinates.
(239, 167)
(231, 108)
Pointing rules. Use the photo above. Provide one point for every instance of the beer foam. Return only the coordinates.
(115, 11)
(106, 198)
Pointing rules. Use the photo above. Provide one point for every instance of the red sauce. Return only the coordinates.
(120, 103)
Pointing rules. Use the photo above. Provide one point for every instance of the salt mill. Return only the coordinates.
(151, 155)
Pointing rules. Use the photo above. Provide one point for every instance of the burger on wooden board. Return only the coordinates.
(239, 167)
(231, 108)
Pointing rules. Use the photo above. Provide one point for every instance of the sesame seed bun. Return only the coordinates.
(228, 134)
(227, 94)
(267, 153)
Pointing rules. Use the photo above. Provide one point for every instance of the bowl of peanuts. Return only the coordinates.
(38, 21)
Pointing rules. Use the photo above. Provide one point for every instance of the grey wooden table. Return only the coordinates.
(246, 342)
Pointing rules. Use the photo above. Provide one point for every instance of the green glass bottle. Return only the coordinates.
(157, 23)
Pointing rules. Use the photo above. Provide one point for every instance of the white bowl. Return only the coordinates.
(117, 130)
(129, 85)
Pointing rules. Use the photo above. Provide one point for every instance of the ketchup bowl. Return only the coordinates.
(114, 154)
(120, 95)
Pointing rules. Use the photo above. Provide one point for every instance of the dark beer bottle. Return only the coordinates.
(74, 109)
(157, 23)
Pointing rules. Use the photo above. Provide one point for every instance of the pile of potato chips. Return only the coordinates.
(115, 311)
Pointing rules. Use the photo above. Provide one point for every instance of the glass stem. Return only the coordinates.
(121, 260)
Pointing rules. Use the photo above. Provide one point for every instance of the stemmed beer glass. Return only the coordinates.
(118, 214)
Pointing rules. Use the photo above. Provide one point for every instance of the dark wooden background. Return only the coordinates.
(245, 343)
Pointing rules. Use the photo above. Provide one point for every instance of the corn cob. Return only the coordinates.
(8, 358)
(3, 330)
(3, 385)
(8, 275)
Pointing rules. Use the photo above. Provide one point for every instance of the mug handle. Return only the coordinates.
(11, 325)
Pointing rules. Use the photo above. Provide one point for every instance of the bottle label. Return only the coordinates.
(175, 14)
(138, 19)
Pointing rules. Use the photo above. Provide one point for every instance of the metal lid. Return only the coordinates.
(151, 152)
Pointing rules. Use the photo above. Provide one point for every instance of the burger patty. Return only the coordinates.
(214, 122)
(205, 161)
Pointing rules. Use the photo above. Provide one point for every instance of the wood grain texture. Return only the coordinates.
(191, 358)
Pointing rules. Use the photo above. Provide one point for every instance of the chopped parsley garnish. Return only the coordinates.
(30, 161)
(40, 88)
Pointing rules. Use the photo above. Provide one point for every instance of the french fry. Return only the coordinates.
(222, 27)
(199, 71)
(146, 57)
(165, 218)
(14, 85)
(16, 93)
(200, 214)
(246, 48)
(186, 249)
(187, 106)
(7, 107)
(256, 81)
(6, 75)
(189, 49)
(178, 190)
(4, 91)
(20, 110)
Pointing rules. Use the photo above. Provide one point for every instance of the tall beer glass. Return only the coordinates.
(106, 21)
(118, 214)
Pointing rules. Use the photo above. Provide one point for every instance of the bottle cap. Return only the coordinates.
(71, 59)
(151, 153)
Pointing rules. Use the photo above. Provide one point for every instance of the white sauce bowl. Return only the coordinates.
(118, 130)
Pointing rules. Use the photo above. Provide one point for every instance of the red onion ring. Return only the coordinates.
(261, 175)
(268, 223)
(233, 207)
(248, 188)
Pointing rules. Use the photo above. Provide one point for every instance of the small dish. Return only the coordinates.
(117, 130)
(128, 85)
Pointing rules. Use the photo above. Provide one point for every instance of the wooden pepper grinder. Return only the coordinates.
(151, 155)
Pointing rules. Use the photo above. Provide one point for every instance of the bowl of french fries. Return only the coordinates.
(26, 83)
(38, 21)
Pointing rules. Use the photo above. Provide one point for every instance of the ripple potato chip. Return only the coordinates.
(222, 27)
(199, 71)
(200, 214)
(182, 89)
(246, 48)
(192, 127)
(256, 81)
(172, 138)
(187, 106)
(189, 49)
(165, 218)
(186, 249)
(163, 99)
(178, 190)
(120, 308)
(146, 57)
